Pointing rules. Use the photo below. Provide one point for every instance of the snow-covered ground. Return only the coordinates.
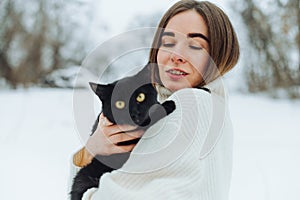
(38, 136)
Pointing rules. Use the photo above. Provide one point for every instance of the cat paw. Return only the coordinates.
(169, 106)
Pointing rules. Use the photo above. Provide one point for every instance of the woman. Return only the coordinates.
(188, 154)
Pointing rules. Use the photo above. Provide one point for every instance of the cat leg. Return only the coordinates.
(169, 106)
(159, 111)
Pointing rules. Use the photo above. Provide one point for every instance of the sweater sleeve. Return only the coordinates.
(165, 163)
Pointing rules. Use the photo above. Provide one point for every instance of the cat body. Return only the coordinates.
(131, 100)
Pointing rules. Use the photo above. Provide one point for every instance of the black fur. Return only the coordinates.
(144, 114)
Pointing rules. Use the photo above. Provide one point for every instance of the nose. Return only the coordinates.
(177, 58)
(135, 114)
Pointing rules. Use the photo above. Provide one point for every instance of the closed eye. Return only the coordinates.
(195, 47)
(168, 41)
(195, 44)
(168, 45)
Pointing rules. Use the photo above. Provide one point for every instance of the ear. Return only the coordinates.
(100, 90)
(93, 86)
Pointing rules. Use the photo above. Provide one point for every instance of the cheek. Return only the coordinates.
(161, 61)
(200, 63)
(162, 57)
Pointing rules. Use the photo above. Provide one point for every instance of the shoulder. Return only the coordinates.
(196, 103)
(191, 97)
(195, 91)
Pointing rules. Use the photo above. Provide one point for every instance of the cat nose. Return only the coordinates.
(136, 117)
(135, 112)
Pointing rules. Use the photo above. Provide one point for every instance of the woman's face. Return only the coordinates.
(183, 54)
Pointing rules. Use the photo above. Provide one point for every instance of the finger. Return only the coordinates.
(103, 121)
(126, 127)
(108, 123)
(116, 129)
(135, 134)
(108, 131)
(101, 115)
(122, 149)
(123, 137)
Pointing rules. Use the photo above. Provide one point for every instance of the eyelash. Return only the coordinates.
(168, 45)
(172, 44)
(196, 48)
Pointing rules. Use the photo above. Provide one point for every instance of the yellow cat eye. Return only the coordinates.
(120, 104)
(141, 97)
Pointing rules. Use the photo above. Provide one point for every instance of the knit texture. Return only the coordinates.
(186, 155)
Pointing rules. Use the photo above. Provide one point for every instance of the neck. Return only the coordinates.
(163, 93)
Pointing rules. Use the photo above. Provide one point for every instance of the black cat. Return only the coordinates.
(131, 100)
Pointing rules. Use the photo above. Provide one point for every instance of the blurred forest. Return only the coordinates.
(272, 50)
(40, 37)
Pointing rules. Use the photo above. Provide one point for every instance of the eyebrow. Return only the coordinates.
(200, 35)
(168, 34)
(190, 35)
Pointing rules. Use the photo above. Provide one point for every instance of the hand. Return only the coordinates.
(104, 141)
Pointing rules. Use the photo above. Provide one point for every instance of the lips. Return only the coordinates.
(178, 72)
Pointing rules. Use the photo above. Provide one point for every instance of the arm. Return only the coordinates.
(103, 141)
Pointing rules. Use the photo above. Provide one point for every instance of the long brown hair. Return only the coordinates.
(223, 45)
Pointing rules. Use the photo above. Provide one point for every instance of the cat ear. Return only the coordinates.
(100, 90)
(93, 86)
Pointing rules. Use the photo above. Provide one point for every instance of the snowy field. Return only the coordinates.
(38, 136)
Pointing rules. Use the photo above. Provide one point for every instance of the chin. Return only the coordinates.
(173, 87)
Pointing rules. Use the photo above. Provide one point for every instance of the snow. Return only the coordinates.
(36, 141)
(266, 151)
(39, 135)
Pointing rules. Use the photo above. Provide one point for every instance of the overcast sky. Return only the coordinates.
(118, 13)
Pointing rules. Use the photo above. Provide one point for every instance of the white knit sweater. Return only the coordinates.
(186, 155)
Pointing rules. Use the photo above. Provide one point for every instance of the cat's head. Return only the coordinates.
(124, 102)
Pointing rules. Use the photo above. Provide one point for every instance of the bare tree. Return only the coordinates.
(33, 38)
(273, 46)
